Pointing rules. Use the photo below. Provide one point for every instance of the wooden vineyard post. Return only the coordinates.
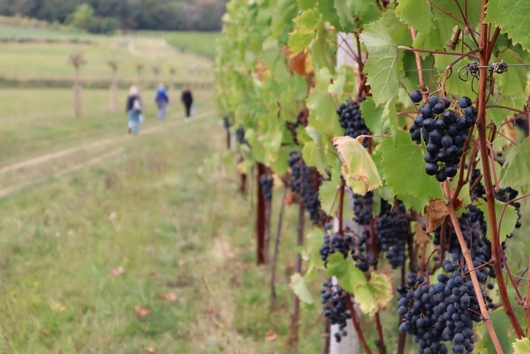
(276, 249)
(292, 342)
(260, 217)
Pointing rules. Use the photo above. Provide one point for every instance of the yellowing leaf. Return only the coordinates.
(300, 289)
(357, 165)
(376, 295)
(521, 346)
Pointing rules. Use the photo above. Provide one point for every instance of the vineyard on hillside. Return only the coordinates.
(400, 130)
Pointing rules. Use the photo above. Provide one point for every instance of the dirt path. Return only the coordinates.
(30, 168)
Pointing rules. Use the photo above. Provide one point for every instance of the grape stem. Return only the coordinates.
(469, 262)
(485, 53)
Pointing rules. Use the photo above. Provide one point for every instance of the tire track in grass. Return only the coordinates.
(63, 155)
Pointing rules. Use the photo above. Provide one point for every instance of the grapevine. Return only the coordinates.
(417, 111)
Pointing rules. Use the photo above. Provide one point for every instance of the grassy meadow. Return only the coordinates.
(49, 60)
(111, 243)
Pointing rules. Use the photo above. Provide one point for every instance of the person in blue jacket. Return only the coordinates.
(161, 101)
(134, 110)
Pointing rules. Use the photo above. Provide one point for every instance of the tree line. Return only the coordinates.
(107, 16)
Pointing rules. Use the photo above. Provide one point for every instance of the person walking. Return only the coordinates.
(161, 101)
(134, 110)
(187, 100)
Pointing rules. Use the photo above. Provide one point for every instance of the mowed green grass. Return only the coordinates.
(196, 42)
(167, 211)
(50, 60)
(38, 121)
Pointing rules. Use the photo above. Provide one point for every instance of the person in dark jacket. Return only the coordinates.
(134, 110)
(161, 101)
(187, 100)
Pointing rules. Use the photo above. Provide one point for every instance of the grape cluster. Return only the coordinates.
(336, 307)
(478, 190)
(351, 120)
(266, 182)
(474, 227)
(302, 184)
(444, 133)
(441, 312)
(506, 194)
(349, 244)
(362, 208)
(240, 135)
(392, 229)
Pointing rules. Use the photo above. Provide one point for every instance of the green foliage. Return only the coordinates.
(521, 346)
(382, 65)
(300, 288)
(404, 171)
(516, 170)
(510, 16)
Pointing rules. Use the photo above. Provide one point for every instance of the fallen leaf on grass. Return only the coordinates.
(156, 275)
(116, 272)
(289, 199)
(171, 297)
(150, 350)
(270, 336)
(181, 263)
(141, 311)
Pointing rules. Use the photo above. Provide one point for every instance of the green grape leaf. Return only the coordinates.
(348, 275)
(308, 19)
(513, 81)
(501, 325)
(511, 16)
(416, 14)
(508, 219)
(516, 170)
(472, 10)
(307, 4)
(315, 156)
(436, 38)
(382, 64)
(521, 346)
(404, 170)
(314, 243)
(328, 194)
(454, 84)
(373, 116)
(345, 16)
(300, 38)
(358, 168)
(300, 288)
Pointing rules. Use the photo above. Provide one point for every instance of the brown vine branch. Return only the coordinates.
(490, 195)
(527, 304)
(356, 325)
(469, 262)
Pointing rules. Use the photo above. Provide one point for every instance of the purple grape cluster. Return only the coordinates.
(444, 134)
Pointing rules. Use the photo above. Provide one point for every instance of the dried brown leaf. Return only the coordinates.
(270, 336)
(150, 350)
(116, 272)
(141, 311)
(435, 214)
(171, 297)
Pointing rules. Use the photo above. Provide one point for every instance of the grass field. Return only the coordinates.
(167, 211)
(19, 60)
(195, 42)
